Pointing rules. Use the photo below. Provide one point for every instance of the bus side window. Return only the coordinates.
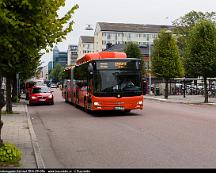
(90, 85)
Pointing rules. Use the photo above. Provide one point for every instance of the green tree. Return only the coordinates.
(133, 51)
(57, 73)
(200, 54)
(166, 61)
(184, 24)
(27, 28)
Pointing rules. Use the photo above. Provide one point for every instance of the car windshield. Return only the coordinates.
(40, 90)
(39, 83)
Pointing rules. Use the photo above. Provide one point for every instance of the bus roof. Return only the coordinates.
(100, 55)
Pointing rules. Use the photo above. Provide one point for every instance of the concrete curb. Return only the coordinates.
(168, 101)
(181, 102)
(36, 148)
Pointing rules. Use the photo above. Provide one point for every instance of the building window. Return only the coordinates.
(119, 34)
(147, 37)
(129, 35)
(108, 36)
(154, 35)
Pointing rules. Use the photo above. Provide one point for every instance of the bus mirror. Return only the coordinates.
(90, 68)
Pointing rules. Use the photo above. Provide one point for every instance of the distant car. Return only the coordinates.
(53, 85)
(41, 94)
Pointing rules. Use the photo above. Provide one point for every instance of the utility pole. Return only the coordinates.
(150, 82)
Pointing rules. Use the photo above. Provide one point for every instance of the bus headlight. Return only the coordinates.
(33, 97)
(140, 102)
(96, 104)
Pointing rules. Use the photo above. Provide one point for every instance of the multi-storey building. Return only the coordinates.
(50, 67)
(85, 45)
(44, 72)
(59, 57)
(121, 33)
(72, 54)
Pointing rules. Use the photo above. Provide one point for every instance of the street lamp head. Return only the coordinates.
(88, 27)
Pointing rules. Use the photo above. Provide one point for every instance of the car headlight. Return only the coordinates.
(96, 104)
(33, 97)
(50, 96)
(140, 102)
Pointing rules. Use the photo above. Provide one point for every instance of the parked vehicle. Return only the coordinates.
(53, 85)
(41, 94)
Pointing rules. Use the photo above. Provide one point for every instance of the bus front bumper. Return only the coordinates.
(118, 104)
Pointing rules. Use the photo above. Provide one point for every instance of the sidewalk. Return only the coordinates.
(18, 130)
(189, 99)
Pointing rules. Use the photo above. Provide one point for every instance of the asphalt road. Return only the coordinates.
(162, 135)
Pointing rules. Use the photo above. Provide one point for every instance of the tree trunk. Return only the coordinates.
(166, 88)
(205, 90)
(14, 89)
(2, 103)
(8, 96)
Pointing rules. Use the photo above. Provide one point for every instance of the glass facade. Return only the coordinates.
(59, 57)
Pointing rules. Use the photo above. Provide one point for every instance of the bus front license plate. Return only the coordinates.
(118, 108)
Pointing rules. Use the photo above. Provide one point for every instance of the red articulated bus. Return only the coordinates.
(104, 81)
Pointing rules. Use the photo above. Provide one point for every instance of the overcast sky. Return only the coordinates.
(126, 11)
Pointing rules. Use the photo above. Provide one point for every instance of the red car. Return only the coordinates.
(41, 94)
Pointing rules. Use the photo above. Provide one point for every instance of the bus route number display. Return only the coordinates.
(120, 64)
(112, 65)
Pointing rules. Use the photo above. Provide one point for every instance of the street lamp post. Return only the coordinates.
(150, 80)
(18, 86)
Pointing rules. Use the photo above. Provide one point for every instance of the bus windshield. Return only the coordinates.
(117, 81)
